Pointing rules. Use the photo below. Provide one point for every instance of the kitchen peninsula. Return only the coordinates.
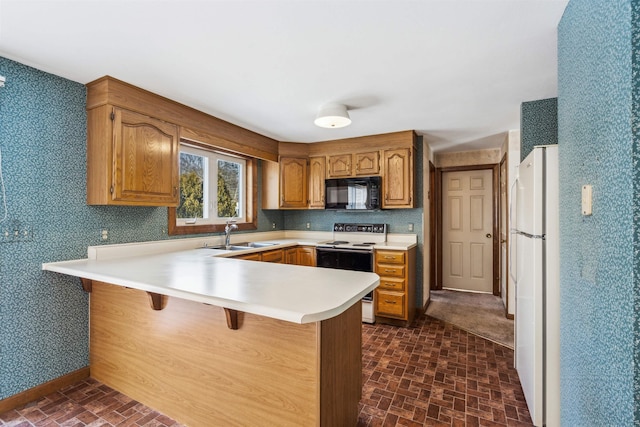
(209, 340)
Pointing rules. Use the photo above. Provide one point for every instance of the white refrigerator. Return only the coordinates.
(537, 312)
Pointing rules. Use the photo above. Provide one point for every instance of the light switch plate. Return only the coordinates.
(587, 197)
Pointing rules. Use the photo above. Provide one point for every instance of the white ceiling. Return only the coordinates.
(455, 71)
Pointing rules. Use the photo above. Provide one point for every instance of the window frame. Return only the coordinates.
(250, 205)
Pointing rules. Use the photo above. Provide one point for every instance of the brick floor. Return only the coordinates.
(436, 374)
(430, 374)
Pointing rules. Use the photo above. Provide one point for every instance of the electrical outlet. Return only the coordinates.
(104, 234)
(308, 225)
(273, 225)
(15, 231)
(410, 227)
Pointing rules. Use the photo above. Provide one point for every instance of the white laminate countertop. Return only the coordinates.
(182, 268)
(287, 292)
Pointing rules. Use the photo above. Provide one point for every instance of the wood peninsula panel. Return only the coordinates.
(341, 385)
(185, 362)
(194, 124)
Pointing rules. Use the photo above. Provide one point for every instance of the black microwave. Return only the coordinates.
(353, 193)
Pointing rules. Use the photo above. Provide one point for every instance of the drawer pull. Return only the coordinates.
(389, 271)
(389, 257)
(389, 302)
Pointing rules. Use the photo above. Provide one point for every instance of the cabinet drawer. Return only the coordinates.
(389, 257)
(390, 270)
(390, 304)
(273, 256)
(392, 284)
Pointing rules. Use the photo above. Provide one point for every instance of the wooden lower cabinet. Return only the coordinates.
(307, 256)
(185, 362)
(276, 255)
(395, 297)
(291, 256)
(301, 255)
(256, 256)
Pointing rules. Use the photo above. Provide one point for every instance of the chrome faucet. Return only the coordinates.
(231, 225)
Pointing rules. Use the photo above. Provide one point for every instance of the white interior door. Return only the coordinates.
(467, 227)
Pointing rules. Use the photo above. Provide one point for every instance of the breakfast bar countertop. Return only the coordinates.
(292, 293)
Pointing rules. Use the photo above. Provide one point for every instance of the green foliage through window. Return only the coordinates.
(211, 186)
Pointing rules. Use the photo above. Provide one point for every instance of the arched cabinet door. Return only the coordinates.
(145, 159)
(293, 182)
(316, 182)
(132, 159)
(398, 178)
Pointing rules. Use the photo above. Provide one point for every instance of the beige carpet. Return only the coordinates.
(480, 314)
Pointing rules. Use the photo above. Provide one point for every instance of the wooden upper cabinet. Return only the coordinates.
(354, 164)
(146, 159)
(398, 178)
(317, 167)
(367, 163)
(339, 166)
(293, 182)
(132, 159)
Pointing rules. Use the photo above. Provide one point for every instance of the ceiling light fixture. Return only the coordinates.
(332, 116)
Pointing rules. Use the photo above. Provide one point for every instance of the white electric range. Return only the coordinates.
(352, 249)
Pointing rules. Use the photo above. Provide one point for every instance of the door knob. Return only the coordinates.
(488, 235)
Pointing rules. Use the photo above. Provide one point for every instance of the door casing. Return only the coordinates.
(495, 199)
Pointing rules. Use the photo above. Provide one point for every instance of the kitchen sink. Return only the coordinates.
(260, 244)
(228, 248)
(242, 246)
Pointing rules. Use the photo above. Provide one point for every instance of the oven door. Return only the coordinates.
(346, 259)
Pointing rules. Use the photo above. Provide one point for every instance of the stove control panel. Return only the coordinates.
(360, 228)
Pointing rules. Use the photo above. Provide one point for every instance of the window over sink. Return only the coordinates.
(215, 187)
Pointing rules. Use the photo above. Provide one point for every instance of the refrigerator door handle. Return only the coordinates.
(530, 236)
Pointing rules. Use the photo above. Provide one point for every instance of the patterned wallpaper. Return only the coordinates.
(598, 141)
(538, 124)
